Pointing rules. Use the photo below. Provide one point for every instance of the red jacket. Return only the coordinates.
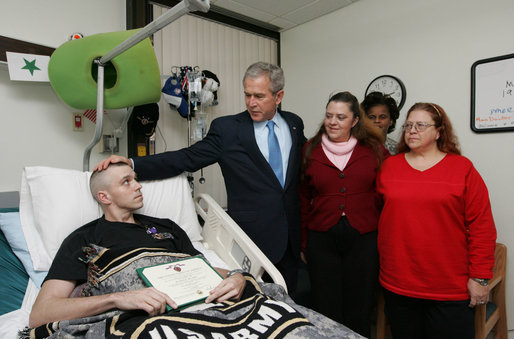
(326, 192)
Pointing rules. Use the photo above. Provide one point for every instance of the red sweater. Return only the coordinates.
(326, 192)
(436, 228)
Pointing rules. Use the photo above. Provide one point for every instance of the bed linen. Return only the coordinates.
(14, 278)
(265, 310)
(12, 322)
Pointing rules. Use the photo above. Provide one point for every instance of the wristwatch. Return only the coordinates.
(483, 282)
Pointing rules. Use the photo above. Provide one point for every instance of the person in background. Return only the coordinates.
(383, 111)
(259, 152)
(436, 234)
(340, 213)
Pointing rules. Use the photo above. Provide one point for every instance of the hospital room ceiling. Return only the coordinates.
(277, 15)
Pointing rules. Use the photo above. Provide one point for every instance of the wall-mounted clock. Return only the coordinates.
(390, 85)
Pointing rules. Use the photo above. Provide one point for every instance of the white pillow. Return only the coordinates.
(54, 202)
(172, 199)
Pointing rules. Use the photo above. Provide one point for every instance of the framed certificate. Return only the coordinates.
(187, 281)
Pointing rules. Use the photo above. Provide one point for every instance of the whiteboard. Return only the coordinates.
(492, 94)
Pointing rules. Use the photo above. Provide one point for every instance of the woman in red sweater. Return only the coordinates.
(340, 213)
(436, 231)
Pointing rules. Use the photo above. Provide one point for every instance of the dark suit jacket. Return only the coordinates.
(268, 213)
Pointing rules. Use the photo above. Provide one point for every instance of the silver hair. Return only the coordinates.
(274, 72)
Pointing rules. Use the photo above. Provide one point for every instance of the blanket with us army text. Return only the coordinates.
(264, 311)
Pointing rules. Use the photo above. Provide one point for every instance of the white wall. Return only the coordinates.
(35, 126)
(430, 46)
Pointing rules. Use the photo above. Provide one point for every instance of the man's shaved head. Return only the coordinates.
(101, 180)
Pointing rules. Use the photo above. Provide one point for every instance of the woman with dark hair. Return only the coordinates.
(436, 231)
(340, 213)
(383, 111)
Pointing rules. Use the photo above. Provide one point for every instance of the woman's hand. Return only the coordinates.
(478, 294)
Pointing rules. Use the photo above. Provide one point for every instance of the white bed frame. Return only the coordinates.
(222, 235)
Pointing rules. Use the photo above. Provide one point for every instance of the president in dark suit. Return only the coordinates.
(259, 152)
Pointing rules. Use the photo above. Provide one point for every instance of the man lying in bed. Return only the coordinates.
(93, 290)
(119, 194)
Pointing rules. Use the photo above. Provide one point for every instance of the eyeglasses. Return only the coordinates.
(420, 126)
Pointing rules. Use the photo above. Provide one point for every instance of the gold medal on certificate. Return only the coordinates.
(186, 281)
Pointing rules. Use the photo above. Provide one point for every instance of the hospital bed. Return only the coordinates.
(54, 202)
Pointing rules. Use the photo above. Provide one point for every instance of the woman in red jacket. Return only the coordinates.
(436, 232)
(340, 213)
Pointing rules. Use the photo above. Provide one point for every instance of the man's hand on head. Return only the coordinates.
(110, 160)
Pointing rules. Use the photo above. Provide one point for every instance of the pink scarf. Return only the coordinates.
(338, 152)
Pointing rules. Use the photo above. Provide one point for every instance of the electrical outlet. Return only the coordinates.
(109, 144)
(78, 121)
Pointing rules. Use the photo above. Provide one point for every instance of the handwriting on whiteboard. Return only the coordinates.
(493, 105)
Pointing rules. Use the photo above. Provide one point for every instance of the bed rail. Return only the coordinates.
(223, 236)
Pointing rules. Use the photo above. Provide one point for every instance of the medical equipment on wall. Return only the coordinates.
(140, 130)
(191, 91)
(201, 96)
(76, 70)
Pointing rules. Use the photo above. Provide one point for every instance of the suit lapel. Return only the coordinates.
(318, 154)
(247, 137)
(293, 161)
(356, 154)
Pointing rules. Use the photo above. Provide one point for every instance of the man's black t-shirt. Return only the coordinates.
(68, 263)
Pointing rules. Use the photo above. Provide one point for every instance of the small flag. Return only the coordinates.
(27, 67)
(91, 114)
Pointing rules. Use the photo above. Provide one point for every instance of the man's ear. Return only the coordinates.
(104, 197)
(278, 97)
